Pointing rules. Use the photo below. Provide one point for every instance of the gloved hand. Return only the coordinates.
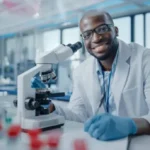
(37, 83)
(108, 127)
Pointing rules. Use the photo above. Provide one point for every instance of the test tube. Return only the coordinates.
(34, 141)
(6, 117)
(13, 134)
(34, 133)
(2, 137)
(1, 130)
(54, 140)
(2, 116)
(35, 144)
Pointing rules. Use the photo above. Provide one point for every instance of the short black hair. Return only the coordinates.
(94, 13)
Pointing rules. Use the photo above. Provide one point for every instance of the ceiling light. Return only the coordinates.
(66, 23)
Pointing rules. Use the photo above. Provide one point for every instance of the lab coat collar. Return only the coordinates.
(120, 76)
(122, 68)
(96, 93)
(99, 68)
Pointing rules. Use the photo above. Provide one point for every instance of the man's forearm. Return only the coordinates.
(143, 126)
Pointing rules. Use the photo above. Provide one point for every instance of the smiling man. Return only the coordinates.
(99, 44)
(111, 92)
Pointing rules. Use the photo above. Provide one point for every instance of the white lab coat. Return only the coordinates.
(130, 86)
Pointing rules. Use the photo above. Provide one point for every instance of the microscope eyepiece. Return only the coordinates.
(75, 46)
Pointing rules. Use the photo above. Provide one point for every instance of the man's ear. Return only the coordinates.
(116, 31)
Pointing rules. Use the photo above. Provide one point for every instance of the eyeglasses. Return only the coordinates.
(99, 30)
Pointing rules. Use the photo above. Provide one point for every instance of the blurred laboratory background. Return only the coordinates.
(30, 27)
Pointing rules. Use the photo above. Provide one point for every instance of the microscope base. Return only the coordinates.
(44, 122)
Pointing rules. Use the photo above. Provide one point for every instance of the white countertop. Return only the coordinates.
(72, 130)
(134, 143)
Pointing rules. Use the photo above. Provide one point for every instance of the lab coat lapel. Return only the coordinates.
(121, 73)
(96, 91)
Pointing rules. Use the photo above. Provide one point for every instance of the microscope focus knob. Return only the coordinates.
(31, 104)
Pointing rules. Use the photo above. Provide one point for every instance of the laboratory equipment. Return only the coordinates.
(80, 144)
(36, 144)
(53, 140)
(1, 130)
(13, 137)
(33, 104)
(74, 138)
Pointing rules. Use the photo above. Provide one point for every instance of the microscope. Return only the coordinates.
(33, 104)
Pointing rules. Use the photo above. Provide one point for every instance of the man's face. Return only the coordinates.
(98, 44)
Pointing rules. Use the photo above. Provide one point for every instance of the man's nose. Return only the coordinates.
(96, 37)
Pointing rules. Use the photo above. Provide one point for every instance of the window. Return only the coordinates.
(11, 50)
(72, 35)
(148, 30)
(139, 28)
(28, 49)
(124, 27)
(20, 55)
(51, 39)
(69, 36)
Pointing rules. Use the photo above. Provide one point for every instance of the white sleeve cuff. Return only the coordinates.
(146, 117)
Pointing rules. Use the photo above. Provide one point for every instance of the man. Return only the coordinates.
(111, 92)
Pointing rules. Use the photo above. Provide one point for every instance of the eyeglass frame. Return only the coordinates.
(94, 30)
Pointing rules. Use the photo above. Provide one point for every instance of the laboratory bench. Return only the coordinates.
(8, 89)
(73, 130)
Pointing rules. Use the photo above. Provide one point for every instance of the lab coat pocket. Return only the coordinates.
(131, 100)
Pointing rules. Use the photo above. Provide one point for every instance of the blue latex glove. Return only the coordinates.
(37, 83)
(108, 127)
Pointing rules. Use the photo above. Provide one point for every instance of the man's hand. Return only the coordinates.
(108, 127)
